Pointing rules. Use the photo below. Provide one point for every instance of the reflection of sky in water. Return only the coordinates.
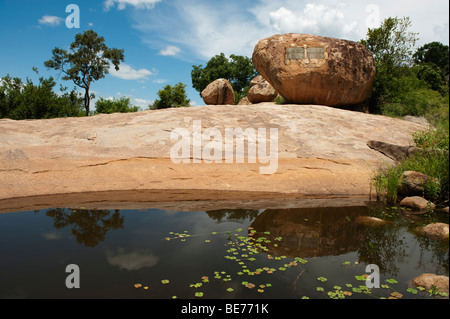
(116, 251)
(132, 260)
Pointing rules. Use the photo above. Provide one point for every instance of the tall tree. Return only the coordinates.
(392, 43)
(88, 60)
(392, 47)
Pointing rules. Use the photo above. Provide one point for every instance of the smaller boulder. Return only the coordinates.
(219, 92)
(244, 101)
(256, 80)
(262, 92)
(370, 221)
(427, 281)
(393, 151)
(417, 203)
(437, 231)
(412, 183)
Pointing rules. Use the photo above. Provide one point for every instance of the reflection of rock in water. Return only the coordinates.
(311, 232)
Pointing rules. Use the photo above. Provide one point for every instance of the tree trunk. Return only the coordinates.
(87, 100)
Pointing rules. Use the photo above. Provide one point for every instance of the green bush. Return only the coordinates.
(409, 95)
(171, 96)
(19, 100)
(432, 159)
(122, 105)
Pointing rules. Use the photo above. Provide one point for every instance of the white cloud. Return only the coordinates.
(159, 81)
(170, 50)
(202, 29)
(50, 20)
(138, 4)
(315, 19)
(126, 72)
(133, 260)
(143, 103)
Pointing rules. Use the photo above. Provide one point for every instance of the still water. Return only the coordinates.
(317, 253)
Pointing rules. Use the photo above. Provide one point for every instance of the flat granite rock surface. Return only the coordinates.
(322, 152)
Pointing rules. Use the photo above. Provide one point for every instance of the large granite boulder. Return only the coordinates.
(218, 92)
(308, 69)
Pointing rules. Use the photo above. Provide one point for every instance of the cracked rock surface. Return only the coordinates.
(322, 151)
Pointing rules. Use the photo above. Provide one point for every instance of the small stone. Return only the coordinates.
(417, 202)
(427, 281)
(437, 231)
(370, 221)
(412, 183)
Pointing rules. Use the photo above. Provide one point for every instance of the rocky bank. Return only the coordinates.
(322, 153)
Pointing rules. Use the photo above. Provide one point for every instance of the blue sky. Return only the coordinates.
(162, 39)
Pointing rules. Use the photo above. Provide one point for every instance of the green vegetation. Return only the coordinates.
(171, 96)
(19, 100)
(239, 71)
(412, 83)
(122, 105)
(87, 61)
(256, 268)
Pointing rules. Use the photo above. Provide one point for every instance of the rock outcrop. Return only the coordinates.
(393, 151)
(308, 69)
(131, 152)
(218, 92)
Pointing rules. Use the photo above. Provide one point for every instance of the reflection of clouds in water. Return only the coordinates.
(133, 260)
(52, 235)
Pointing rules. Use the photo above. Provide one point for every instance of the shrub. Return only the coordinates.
(122, 105)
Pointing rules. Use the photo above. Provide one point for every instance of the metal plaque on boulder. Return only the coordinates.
(296, 53)
(300, 53)
(315, 53)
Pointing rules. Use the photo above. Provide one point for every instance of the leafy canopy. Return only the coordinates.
(171, 96)
(88, 60)
(122, 105)
(391, 44)
(434, 52)
(238, 70)
(19, 100)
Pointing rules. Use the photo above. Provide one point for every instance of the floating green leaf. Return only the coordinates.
(411, 290)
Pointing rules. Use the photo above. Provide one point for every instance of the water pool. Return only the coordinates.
(316, 253)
